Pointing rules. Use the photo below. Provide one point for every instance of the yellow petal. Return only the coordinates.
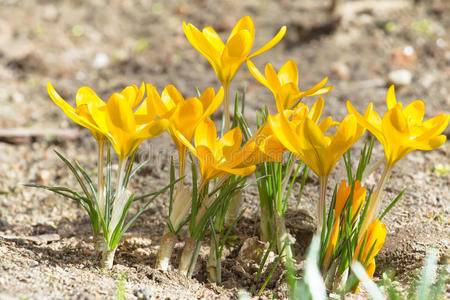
(326, 123)
(231, 142)
(239, 171)
(271, 43)
(285, 132)
(213, 38)
(391, 100)
(86, 95)
(207, 163)
(210, 101)
(341, 197)
(238, 47)
(199, 42)
(235, 53)
(415, 112)
(359, 197)
(180, 137)
(372, 123)
(272, 79)
(69, 110)
(257, 74)
(245, 23)
(186, 117)
(161, 107)
(288, 73)
(322, 91)
(146, 112)
(206, 135)
(315, 146)
(154, 128)
(430, 143)
(120, 115)
(316, 110)
(133, 95)
(315, 89)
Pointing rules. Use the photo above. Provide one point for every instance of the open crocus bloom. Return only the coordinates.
(226, 58)
(401, 131)
(125, 128)
(217, 158)
(284, 84)
(87, 103)
(307, 140)
(184, 115)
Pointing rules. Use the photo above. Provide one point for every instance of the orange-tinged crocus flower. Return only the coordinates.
(263, 146)
(184, 115)
(374, 241)
(221, 157)
(342, 196)
(401, 131)
(284, 84)
(227, 58)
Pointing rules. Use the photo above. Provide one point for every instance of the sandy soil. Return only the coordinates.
(45, 244)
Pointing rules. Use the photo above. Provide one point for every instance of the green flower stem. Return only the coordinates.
(322, 201)
(267, 223)
(375, 202)
(99, 239)
(120, 177)
(100, 179)
(226, 109)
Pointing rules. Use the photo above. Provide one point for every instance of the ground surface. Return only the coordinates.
(45, 245)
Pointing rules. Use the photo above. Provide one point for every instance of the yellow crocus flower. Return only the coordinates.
(307, 140)
(184, 115)
(127, 129)
(86, 101)
(227, 58)
(284, 84)
(217, 158)
(401, 131)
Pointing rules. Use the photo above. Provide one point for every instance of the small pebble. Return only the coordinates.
(400, 77)
(341, 70)
(43, 177)
(51, 13)
(101, 60)
(143, 294)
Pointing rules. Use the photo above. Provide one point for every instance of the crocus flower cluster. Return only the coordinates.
(351, 229)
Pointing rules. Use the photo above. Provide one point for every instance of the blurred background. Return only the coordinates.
(362, 46)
